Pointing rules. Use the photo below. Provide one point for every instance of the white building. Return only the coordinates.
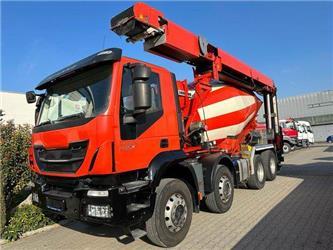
(16, 108)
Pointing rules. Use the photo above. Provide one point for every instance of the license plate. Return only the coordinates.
(54, 204)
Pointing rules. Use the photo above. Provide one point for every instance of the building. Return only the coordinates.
(16, 108)
(316, 108)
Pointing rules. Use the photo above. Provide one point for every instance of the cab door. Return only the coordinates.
(141, 140)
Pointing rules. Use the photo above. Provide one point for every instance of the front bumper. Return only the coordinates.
(291, 140)
(127, 207)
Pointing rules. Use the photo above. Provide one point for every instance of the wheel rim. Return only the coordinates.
(285, 148)
(260, 172)
(225, 188)
(272, 165)
(175, 212)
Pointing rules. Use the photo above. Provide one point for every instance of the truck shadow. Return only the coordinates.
(104, 231)
(329, 149)
(304, 218)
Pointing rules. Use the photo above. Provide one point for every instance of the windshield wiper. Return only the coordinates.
(77, 115)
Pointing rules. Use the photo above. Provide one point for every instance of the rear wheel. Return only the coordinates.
(257, 180)
(172, 214)
(286, 148)
(270, 164)
(220, 200)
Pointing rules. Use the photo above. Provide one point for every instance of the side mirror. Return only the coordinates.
(30, 96)
(141, 87)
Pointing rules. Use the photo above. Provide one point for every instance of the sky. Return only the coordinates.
(291, 42)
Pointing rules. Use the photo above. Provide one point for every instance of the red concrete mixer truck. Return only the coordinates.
(122, 142)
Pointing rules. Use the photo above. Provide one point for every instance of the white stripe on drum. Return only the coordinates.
(214, 88)
(227, 106)
(232, 130)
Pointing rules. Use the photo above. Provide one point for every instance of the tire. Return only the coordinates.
(172, 196)
(220, 200)
(257, 180)
(270, 164)
(286, 148)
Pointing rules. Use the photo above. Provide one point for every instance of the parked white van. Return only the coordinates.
(308, 133)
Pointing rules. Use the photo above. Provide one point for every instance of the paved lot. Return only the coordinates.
(294, 211)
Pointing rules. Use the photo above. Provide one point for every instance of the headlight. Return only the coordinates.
(99, 211)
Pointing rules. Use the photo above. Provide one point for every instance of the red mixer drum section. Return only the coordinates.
(226, 111)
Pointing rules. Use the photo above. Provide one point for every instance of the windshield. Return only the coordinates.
(301, 128)
(290, 125)
(82, 96)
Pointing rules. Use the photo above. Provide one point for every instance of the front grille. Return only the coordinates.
(61, 160)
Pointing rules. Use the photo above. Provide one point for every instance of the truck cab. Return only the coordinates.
(308, 130)
(303, 135)
(101, 123)
(79, 106)
(290, 135)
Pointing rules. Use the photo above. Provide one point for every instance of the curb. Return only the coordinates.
(39, 230)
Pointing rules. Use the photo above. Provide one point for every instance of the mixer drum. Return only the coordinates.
(226, 111)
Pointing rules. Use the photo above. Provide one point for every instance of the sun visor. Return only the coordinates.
(104, 56)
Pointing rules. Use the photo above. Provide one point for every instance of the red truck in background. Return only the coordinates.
(290, 135)
(121, 142)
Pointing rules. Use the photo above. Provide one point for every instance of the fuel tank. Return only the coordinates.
(226, 111)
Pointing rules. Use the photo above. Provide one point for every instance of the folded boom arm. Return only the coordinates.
(167, 39)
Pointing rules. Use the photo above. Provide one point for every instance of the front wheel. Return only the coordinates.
(172, 214)
(220, 200)
(286, 148)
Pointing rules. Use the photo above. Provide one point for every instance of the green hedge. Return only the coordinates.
(25, 218)
(14, 145)
(14, 171)
(15, 175)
